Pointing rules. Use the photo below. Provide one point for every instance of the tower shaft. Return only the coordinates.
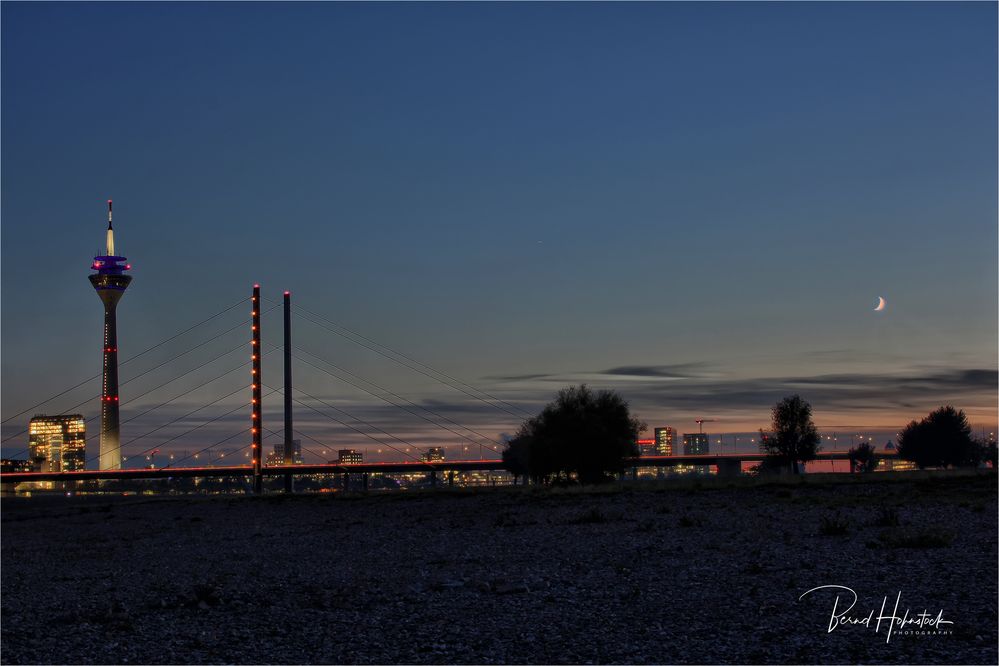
(110, 289)
(110, 451)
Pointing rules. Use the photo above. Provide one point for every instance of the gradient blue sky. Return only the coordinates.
(696, 204)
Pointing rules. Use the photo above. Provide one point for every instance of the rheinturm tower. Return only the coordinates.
(110, 282)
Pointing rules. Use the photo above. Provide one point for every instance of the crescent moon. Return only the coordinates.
(881, 304)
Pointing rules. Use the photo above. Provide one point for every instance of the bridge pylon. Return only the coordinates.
(256, 387)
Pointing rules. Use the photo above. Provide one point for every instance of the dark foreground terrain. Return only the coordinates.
(640, 574)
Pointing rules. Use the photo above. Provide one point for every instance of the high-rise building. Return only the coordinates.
(276, 457)
(110, 282)
(349, 457)
(57, 443)
(433, 454)
(664, 441)
(695, 444)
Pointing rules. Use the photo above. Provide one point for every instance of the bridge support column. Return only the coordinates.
(256, 402)
(634, 474)
(450, 479)
(365, 479)
(729, 468)
(433, 478)
(346, 481)
(289, 445)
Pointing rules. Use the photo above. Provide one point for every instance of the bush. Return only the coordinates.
(581, 433)
(687, 521)
(834, 526)
(941, 439)
(886, 517)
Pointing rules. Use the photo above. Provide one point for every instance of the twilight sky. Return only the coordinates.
(695, 204)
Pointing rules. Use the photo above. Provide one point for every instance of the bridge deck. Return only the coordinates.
(380, 467)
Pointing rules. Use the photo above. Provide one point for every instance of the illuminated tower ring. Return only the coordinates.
(110, 282)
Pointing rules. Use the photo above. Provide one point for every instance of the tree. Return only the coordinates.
(581, 432)
(517, 457)
(941, 439)
(794, 439)
(862, 458)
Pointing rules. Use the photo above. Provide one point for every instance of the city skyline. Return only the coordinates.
(680, 255)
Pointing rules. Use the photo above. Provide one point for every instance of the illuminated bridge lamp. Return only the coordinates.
(110, 283)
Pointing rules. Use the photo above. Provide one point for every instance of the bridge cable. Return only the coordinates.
(450, 381)
(170, 423)
(179, 418)
(347, 425)
(141, 374)
(171, 465)
(409, 411)
(131, 358)
(300, 434)
(155, 388)
(404, 399)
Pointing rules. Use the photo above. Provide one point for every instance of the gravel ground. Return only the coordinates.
(631, 573)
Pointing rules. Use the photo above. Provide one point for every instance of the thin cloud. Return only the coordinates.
(676, 371)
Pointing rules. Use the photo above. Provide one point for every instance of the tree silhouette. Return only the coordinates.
(517, 457)
(862, 457)
(941, 439)
(794, 439)
(581, 432)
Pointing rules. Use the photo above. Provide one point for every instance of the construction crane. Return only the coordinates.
(700, 424)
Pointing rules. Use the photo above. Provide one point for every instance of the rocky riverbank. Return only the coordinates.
(668, 573)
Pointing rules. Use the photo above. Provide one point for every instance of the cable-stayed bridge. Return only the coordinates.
(240, 452)
(246, 440)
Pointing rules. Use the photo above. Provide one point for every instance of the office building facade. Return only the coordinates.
(695, 444)
(57, 443)
(664, 441)
(349, 457)
(276, 457)
(433, 454)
